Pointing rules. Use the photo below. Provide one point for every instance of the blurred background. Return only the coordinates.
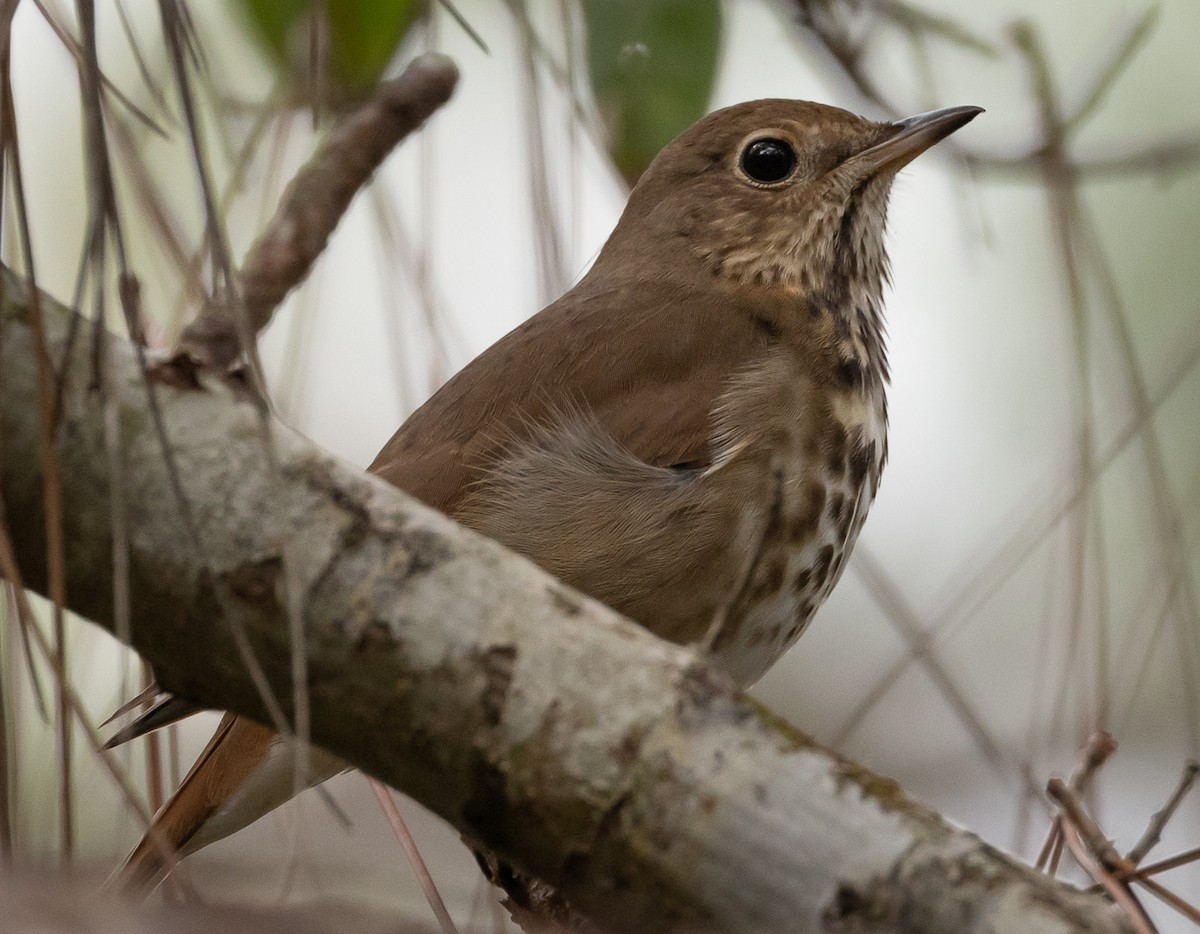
(1028, 574)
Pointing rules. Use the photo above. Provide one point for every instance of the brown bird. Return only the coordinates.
(693, 434)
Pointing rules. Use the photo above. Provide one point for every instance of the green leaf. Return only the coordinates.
(363, 38)
(652, 64)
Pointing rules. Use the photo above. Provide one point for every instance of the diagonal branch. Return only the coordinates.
(314, 203)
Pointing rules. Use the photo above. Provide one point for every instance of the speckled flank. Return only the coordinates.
(830, 431)
(824, 504)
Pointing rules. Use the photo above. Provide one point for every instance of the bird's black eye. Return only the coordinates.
(768, 160)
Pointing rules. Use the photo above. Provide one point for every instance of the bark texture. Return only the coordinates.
(611, 764)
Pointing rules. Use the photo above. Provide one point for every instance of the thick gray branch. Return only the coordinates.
(613, 765)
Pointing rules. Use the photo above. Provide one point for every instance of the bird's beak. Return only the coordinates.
(912, 136)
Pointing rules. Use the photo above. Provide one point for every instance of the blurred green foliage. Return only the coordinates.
(652, 64)
(363, 36)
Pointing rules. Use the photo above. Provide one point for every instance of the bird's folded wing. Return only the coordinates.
(645, 362)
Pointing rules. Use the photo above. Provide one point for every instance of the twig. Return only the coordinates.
(1118, 891)
(918, 22)
(924, 650)
(1134, 38)
(409, 845)
(1095, 853)
(1184, 907)
(1115, 870)
(833, 36)
(1098, 749)
(465, 25)
(1153, 832)
(547, 215)
(75, 49)
(1163, 865)
(315, 201)
(181, 44)
(10, 572)
(1100, 846)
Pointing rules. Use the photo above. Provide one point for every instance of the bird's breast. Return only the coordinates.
(820, 448)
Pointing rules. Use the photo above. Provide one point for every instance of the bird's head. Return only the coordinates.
(778, 193)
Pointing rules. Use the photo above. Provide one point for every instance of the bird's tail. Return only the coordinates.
(219, 795)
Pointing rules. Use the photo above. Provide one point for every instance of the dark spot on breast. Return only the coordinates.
(800, 584)
(837, 508)
(860, 463)
(837, 463)
(805, 521)
(850, 373)
(770, 581)
(823, 562)
(847, 519)
(766, 635)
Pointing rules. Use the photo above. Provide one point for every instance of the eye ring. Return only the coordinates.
(768, 160)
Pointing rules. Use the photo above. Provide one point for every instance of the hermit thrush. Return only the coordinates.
(693, 434)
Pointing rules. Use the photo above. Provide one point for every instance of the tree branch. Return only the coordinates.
(314, 203)
(613, 765)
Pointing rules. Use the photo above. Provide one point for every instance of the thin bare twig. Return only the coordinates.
(1184, 907)
(465, 25)
(1098, 750)
(1118, 891)
(75, 48)
(1165, 865)
(1128, 45)
(10, 572)
(384, 795)
(551, 263)
(1073, 811)
(1153, 832)
(315, 202)
(924, 651)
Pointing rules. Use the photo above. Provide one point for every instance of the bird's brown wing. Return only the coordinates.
(645, 361)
